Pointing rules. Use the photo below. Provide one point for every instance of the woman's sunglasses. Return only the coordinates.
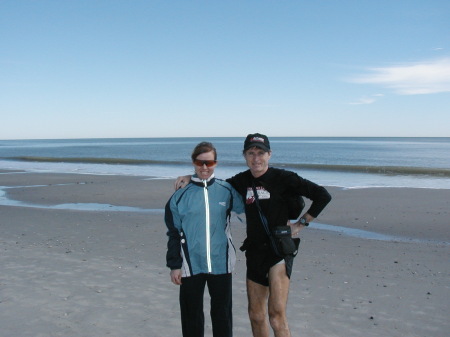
(208, 163)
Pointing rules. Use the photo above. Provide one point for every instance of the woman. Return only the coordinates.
(200, 250)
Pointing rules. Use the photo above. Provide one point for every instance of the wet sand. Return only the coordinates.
(84, 255)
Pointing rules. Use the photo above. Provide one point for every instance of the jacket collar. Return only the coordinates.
(197, 181)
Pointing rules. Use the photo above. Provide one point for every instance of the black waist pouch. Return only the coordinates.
(285, 244)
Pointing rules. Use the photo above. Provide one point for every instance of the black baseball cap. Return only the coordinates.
(257, 140)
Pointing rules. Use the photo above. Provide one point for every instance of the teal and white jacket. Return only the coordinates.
(198, 222)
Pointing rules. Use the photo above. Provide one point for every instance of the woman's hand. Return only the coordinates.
(175, 276)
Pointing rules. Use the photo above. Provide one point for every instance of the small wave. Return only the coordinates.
(92, 160)
(385, 170)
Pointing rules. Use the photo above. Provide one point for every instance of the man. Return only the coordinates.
(277, 195)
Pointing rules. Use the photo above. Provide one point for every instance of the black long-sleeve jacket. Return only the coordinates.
(279, 193)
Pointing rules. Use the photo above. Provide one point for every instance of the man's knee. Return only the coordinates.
(257, 316)
(278, 320)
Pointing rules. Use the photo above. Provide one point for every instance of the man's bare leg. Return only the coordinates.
(278, 296)
(257, 308)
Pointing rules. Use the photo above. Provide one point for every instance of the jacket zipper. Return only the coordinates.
(208, 239)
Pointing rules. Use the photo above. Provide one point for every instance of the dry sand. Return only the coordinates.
(91, 268)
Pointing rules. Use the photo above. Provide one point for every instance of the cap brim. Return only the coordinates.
(259, 145)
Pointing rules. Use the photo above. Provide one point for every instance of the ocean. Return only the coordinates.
(342, 162)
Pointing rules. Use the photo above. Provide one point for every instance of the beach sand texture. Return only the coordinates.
(91, 268)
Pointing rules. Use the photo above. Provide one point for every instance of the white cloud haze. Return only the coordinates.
(363, 100)
(412, 79)
(366, 99)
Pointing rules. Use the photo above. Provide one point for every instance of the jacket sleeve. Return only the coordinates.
(238, 202)
(316, 193)
(173, 256)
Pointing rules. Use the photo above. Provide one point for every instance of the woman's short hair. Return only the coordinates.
(203, 147)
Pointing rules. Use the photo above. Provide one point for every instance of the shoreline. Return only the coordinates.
(337, 179)
(424, 216)
(102, 272)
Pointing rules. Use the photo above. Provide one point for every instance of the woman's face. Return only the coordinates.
(204, 165)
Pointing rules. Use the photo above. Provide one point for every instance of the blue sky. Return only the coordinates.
(94, 69)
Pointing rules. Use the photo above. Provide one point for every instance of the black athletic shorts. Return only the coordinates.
(259, 263)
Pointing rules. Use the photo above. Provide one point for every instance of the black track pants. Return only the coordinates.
(191, 305)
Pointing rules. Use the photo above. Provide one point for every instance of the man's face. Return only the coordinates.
(257, 161)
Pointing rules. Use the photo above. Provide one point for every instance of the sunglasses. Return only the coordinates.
(208, 163)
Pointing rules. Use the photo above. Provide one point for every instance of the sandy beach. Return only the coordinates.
(84, 255)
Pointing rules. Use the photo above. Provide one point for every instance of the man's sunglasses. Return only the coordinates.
(208, 163)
